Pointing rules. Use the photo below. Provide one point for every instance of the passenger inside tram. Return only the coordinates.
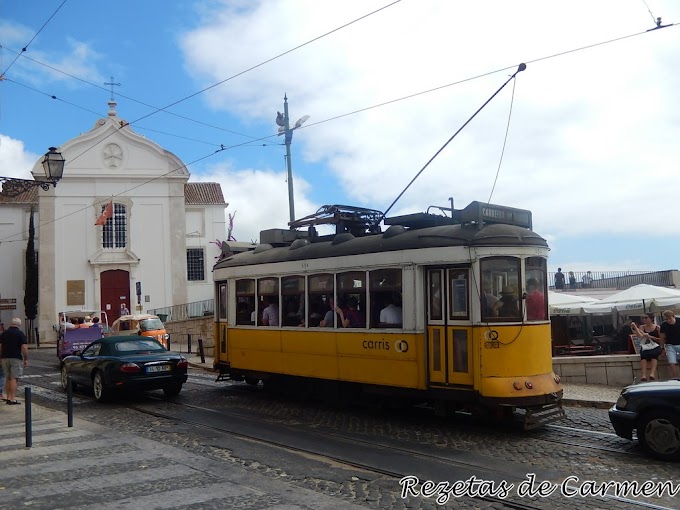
(507, 304)
(391, 314)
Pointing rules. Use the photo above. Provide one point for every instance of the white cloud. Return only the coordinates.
(15, 161)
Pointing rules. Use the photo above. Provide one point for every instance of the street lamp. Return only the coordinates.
(53, 165)
(284, 129)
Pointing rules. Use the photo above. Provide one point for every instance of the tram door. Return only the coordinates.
(449, 331)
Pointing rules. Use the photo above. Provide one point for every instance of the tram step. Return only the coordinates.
(537, 417)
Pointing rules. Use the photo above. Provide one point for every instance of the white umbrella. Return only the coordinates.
(636, 299)
(561, 303)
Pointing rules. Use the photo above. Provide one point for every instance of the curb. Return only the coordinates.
(573, 402)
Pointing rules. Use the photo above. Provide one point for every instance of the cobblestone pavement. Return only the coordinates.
(212, 453)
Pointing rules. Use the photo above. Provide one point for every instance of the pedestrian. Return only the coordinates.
(124, 309)
(587, 279)
(13, 347)
(572, 280)
(650, 350)
(559, 279)
(670, 340)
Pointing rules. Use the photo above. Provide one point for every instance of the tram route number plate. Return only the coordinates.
(159, 368)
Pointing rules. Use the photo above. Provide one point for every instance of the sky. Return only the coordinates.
(586, 137)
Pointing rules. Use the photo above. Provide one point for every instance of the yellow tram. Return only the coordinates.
(448, 309)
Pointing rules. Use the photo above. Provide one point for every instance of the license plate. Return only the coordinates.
(159, 368)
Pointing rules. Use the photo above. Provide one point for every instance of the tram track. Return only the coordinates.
(194, 416)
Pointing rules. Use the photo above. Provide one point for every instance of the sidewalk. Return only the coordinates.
(94, 466)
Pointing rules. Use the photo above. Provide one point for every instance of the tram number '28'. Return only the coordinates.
(491, 339)
(383, 345)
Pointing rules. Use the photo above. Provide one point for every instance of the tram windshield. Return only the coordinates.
(501, 289)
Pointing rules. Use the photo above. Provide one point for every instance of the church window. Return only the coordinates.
(115, 229)
(195, 265)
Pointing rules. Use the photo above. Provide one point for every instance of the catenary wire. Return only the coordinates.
(223, 148)
(505, 140)
(32, 39)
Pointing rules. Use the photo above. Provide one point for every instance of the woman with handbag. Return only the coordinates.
(650, 349)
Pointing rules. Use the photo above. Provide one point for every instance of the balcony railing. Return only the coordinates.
(185, 311)
(613, 279)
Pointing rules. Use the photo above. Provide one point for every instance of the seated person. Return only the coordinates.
(270, 315)
(81, 323)
(353, 317)
(507, 304)
(327, 321)
(390, 316)
(95, 323)
(535, 301)
(67, 325)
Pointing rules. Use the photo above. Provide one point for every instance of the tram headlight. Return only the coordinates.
(517, 385)
(529, 385)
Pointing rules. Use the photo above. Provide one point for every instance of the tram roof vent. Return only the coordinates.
(279, 236)
(342, 238)
(262, 247)
(299, 243)
(394, 230)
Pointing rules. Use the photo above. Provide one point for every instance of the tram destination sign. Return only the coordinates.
(491, 213)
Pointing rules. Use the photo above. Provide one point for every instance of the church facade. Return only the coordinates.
(123, 227)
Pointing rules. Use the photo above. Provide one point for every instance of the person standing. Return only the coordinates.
(559, 279)
(587, 279)
(650, 350)
(670, 340)
(270, 315)
(124, 309)
(13, 348)
(572, 280)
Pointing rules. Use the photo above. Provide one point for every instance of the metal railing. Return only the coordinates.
(612, 279)
(185, 311)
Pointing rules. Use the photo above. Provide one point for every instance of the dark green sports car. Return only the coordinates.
(125, 363)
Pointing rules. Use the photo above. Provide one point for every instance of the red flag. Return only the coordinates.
(105, 215)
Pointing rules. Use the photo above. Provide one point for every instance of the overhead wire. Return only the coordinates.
(505, 140)
(33, 38)
(223, 148)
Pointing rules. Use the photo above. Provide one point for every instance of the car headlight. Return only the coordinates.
(621, 402)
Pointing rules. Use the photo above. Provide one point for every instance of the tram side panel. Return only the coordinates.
(518, 365)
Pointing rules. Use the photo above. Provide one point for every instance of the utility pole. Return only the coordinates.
(288, 138)
(283, 122)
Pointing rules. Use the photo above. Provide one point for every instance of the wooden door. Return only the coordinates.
(115, 290)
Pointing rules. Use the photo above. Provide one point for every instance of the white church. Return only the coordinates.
(159, 237)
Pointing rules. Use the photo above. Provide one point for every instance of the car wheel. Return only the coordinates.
(171, 391)
(659, 435)
(64, 379)
(100, 392)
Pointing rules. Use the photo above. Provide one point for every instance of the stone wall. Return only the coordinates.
(610, 370)
(199, 327)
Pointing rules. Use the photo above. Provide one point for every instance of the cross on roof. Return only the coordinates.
(112, 84)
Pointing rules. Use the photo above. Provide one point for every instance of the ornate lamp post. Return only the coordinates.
(53, 164)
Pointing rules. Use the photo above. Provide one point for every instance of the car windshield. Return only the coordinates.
(151, 324)
(137, 346)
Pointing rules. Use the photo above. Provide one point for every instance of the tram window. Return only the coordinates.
(352, 298)
(385, 289)
(268, 302)
(535, 281)
(435, 295)
(320, 297)
(245, 302)
(293, 293)
(500, 289)
(458, 294)
(223, 301)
